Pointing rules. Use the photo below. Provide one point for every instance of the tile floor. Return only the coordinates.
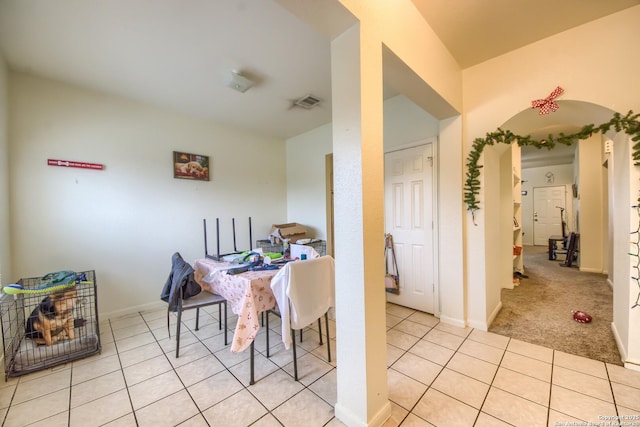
(438, 375)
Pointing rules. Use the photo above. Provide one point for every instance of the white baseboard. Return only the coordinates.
(493, 315)
(610, 283)
(452, 321)
(350, 419)
(135, 309)
(621, 349)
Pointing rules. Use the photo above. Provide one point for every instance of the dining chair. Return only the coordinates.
(304, 291)
(182, 292)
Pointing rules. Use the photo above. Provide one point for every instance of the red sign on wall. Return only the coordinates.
(70, 164)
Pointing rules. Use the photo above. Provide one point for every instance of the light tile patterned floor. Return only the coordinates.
(439, 375)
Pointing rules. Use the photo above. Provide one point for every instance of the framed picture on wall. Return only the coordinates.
(190, 166)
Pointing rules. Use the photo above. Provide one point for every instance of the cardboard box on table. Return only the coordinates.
(292, 231)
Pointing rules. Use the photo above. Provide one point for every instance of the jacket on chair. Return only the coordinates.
(180, 278)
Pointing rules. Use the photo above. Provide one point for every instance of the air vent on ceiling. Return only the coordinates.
(307, 102)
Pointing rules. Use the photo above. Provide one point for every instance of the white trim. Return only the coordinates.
(616, 336)
(350, 419)
(451, 321)
(136, 309)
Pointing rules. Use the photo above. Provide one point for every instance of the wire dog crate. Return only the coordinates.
(319, 245)
(75, 336)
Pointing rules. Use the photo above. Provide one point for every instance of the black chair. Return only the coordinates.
(182, 293)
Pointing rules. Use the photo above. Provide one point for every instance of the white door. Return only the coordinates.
(547, 221)
(408, 192)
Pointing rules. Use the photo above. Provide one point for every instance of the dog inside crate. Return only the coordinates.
(43, 329)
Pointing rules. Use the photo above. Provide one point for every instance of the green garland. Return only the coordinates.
(629, 124)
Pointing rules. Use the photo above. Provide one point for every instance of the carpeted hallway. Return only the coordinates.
(539, 310)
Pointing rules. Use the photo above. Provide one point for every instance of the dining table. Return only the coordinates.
(248, 294)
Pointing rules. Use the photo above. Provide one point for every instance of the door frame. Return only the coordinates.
(435, 171)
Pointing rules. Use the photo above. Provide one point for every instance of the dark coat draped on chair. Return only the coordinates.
(181, 277)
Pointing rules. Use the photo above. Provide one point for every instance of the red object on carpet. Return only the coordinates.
(581, 316)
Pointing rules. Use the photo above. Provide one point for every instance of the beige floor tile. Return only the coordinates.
(304, 409)
(310, 368)
(169, 412)
(135, 341)
(216, 343)
(326, 387)
(580, 364)
(140, 354)
(392, 320)
(486, 420)
(489, 338)
(58, 420)
(262, 368)
(398, 310)
(442, 410)
(625, 376)
(275, 389)
(38, 409)
(482, 351)
(465, 389)
(424, 318)
(582, 383)
(188, 353)
(514, 410)
(127, 321)
(393, 354)
(198, 370)
(432, 352)
(101, 411)
(531, 350)
(412, 328)
(628, 397)
(527, 366)
(214, 389)
(398, 414)
(96, 388)
(6, 394)
(475, 368)
(229, 359)
(414, 421)
(417, 368)
(130, 331)
(27, 390)
(403, 390)
(267, 420)
(150, 368)
(628, 415)
(455, 330)
(95, 369)
(444, 339)
(242, 409)
(578, 405)
(400, 339)
(321, 353)
(128, 420)
(523, 386)
(559, 419)
(156, 388)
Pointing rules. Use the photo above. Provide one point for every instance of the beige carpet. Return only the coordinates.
(539, 310)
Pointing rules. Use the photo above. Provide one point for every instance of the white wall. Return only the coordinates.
(535, 177)
(5, 235)
(126, 221)
(500, 88)
(404, 123)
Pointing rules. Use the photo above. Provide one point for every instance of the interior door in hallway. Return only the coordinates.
(547, 221)
(409, 218)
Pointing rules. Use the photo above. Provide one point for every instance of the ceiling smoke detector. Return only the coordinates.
(238, 82)
(307, 102)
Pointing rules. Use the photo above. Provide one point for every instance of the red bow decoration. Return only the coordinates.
(546, 105)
